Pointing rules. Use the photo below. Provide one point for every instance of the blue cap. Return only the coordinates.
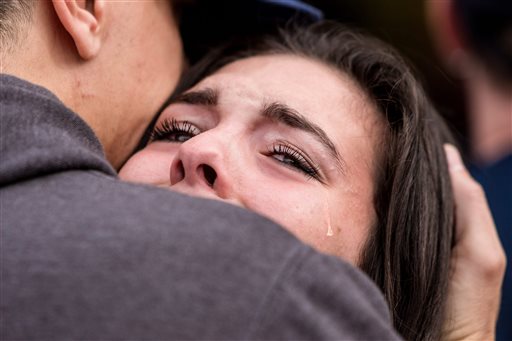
(292, 8)
(208, 23)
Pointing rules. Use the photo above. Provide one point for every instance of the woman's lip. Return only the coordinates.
(207, 193)
(202, 192)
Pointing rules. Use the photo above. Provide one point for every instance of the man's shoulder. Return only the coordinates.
(91, 196)
(42, 136)
(178, 267)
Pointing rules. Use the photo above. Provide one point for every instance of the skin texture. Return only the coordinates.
(113, 64)
(239, 144)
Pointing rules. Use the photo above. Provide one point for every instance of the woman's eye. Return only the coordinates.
(294, 159)
(172, 130)
(288, 160)
(178, 137)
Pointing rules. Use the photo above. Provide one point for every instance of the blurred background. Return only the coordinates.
(403, 24)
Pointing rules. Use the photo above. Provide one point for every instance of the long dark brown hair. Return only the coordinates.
(408, 251)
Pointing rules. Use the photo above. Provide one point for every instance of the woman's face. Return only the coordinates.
(281, 135)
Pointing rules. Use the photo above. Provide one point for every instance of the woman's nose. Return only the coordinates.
(200, 162)
(204, 173)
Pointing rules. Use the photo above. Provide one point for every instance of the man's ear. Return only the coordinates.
(83, 19)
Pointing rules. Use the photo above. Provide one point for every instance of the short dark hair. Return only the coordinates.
(14, 15)
(408, 253)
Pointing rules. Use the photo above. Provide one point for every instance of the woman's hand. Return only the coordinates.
(478, 261)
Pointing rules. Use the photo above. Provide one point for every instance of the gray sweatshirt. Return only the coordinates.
(85, 256)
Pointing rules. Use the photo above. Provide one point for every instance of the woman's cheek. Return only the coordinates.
(149, 166)
(287, 206)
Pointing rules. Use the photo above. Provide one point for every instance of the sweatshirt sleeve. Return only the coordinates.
(323, 298)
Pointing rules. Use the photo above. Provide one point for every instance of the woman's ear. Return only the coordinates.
(83, 19)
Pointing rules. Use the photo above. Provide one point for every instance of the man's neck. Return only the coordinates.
(54, 70)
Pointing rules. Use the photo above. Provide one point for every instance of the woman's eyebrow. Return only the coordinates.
(284, 114)
(207, 96)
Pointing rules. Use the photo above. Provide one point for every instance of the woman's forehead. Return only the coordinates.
(298, 81)
(325, 95)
